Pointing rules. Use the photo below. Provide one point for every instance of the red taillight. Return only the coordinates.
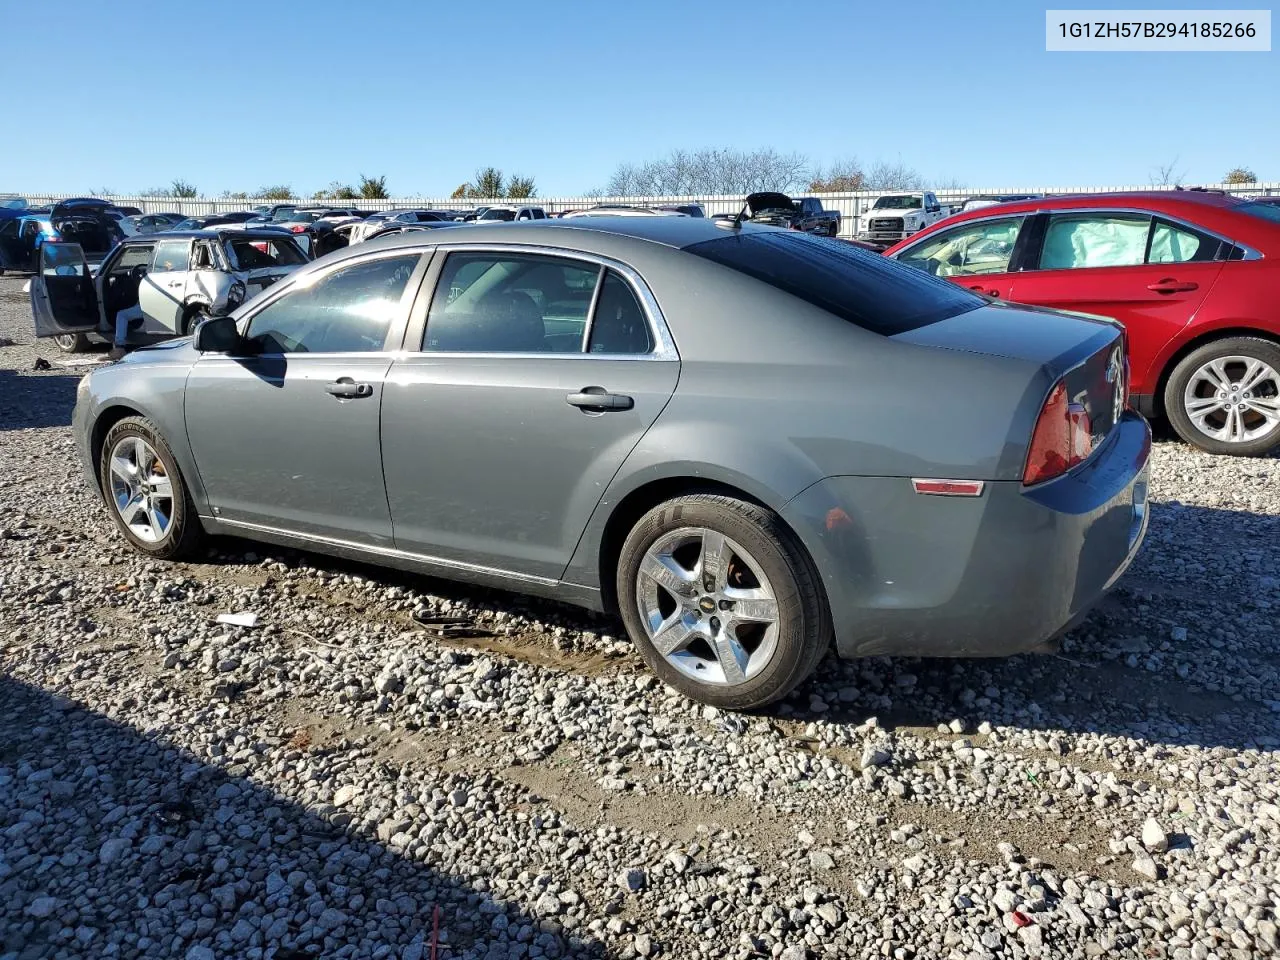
(298, 229)
(1062, 438)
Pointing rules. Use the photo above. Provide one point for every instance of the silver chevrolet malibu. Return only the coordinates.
(747, 442)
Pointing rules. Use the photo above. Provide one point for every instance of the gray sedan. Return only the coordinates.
(748, 442)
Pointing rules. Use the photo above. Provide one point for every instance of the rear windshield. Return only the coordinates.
(864, 288)
(1267, 211)
(252, 253)
(898, 203)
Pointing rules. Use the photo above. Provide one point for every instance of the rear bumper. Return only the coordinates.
(994, 575)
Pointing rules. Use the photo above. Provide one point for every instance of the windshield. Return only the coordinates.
(1267, 211)
(899, 203)
(298, 216)
(498, 215)
(866, 289)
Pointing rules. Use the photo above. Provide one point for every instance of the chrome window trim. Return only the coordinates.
(664, 346)
(1249, 252)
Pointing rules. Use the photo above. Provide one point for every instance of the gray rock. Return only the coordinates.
(112, 850)
(1146, 868)
(633, 879)
(1154, 839)
(42, 907)
(820, 860)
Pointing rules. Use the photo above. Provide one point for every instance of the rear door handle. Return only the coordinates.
(176, 284)
(989, 293)
(1170, 285)
(345, 388)
(599, 399)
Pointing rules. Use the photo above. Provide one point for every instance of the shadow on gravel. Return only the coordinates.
(40, 400)
(137, 843)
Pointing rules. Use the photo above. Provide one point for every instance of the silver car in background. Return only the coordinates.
(165, 282)
(746, 441)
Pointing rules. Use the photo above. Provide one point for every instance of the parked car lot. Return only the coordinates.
(1190, 274)
(541, 789)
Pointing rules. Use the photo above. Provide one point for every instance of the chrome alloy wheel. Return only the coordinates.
(141, 490)
(707, 606)
(1233, 399)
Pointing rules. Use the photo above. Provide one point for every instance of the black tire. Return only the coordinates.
(804, 618)
(72, 342)
(193, 315)
(1175, 391)
(184, 535)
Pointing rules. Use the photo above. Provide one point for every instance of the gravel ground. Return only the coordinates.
(339, 782)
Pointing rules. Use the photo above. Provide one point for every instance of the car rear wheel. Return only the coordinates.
(71, 342)
(1224, 397)
(145, 492)
(722, 601)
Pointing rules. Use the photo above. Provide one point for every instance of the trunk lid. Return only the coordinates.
(83, 221)
(1088, 353)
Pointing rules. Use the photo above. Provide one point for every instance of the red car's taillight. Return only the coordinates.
(1063, 437)
(298, 229)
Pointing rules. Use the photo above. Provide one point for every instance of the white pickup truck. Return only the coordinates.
(896, 216)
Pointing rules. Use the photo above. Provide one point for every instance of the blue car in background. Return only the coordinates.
(82, 220)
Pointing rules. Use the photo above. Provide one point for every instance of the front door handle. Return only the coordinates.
(989, 293)
(597, 399)
(1170, 285)
(344, 388)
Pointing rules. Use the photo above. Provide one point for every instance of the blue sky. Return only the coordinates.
(234, 95)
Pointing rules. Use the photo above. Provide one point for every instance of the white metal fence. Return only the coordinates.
(850, 205)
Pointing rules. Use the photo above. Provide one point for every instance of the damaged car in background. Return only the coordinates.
(162, 284)
(805, 214)
(82, 221)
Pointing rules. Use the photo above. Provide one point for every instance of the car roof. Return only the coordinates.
(677, 232)
(208, 232)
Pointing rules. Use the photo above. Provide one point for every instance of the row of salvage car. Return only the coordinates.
(1190, 275)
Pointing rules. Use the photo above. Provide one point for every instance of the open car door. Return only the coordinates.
(63, 298)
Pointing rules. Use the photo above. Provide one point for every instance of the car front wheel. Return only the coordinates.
(1224, 397)
(722, 601)
(145, 492)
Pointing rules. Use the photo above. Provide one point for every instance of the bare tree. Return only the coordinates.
(843, 176)
(1167, 174)
(710, 171)
(885, 175)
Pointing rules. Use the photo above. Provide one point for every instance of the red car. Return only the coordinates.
(1193, 276)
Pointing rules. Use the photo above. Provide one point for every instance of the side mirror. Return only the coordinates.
(217, 335)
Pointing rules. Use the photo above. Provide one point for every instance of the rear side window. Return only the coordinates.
(864, 288)
(1172, 243)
